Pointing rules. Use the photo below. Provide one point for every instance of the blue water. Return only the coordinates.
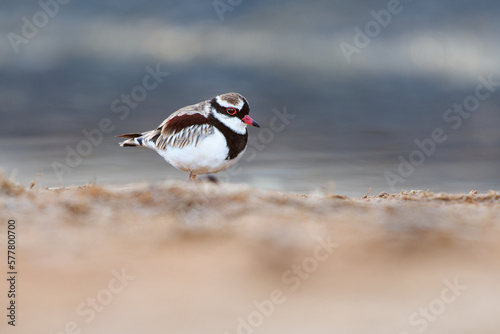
(353, 119)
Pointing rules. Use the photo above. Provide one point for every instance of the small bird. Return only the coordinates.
(203, 138)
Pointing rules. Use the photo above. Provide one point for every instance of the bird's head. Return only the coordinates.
(232, 109)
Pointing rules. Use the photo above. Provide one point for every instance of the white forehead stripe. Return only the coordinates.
(225, 104)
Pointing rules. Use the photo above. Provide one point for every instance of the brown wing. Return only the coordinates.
(199, 109)
(184, 127)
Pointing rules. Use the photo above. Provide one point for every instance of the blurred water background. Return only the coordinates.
(355, 117)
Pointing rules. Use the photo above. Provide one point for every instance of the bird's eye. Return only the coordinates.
(231, 111)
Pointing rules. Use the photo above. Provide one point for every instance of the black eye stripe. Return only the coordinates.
(223, 110)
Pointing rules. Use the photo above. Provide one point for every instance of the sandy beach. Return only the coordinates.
(227, 258)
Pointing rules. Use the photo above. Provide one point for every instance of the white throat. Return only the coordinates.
(234, 123)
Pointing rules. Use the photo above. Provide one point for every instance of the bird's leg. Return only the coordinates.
(192, 177)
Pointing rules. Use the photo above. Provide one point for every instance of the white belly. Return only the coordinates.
(208, 157)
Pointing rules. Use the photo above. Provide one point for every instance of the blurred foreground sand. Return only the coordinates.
(205, 258)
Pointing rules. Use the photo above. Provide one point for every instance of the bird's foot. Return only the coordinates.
(192, 177)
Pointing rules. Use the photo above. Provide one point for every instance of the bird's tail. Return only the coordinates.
(134, 140)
